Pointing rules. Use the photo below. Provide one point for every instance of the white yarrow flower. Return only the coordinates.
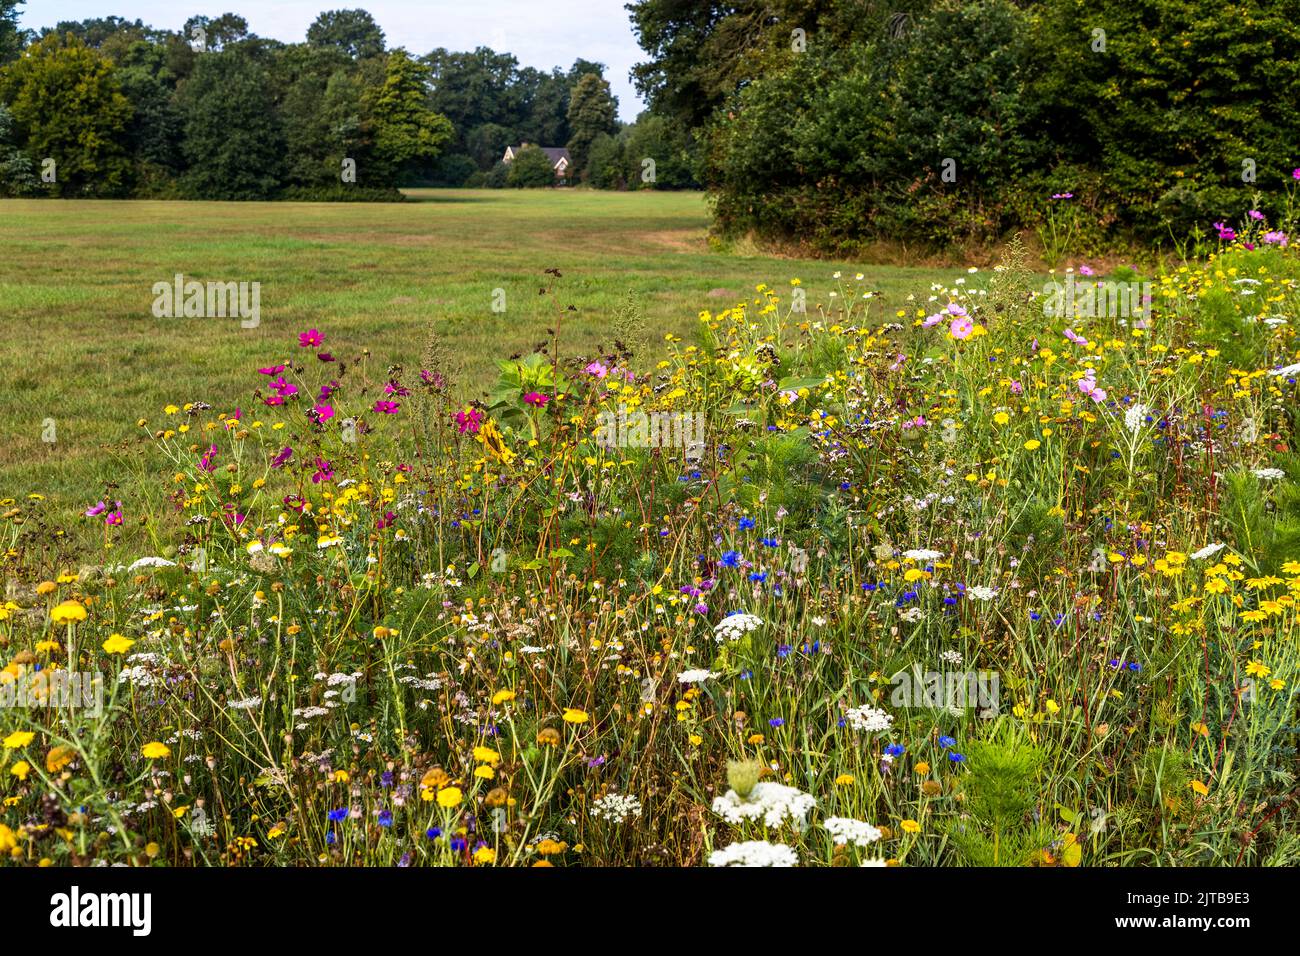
(1269, 474)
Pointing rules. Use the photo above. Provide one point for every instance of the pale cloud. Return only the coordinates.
(540, 33)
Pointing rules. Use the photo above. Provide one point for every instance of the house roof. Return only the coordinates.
(553, 153)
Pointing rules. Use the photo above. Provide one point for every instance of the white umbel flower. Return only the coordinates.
(1269, 474)
(754, 853)
(923, 554)
(735, 626)
(773, 803)
(698, 676)
(868, 718)
(848, 830)
(1209, 551)
(1135, 417)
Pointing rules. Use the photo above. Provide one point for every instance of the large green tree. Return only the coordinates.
(68, 108)
(234, 141)
(592, 111)
(354, 32)
(407, 133)
(11, 38)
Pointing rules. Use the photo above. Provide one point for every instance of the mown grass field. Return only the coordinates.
(82, 347)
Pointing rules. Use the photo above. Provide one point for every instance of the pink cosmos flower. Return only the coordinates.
(271, 370)
(469, 421)
(285, 454)
(208, 461)
(95, 510)
(310, 339)
(1226, 233)
(961, 327)
(324, 471)
(1088, 385)
(1076, 338)
(1255, 214)
(323, 412)
(387, 408)
(596, 369)
(1277, 238)
(537, 398)
(1085, 270)
(114, 517)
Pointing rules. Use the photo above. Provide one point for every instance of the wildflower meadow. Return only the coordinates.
(974, 580)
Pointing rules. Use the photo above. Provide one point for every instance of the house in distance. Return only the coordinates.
(558, 155)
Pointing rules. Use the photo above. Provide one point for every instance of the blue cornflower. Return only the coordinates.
(776, 722)
(730, 559)
(340, 814)
(895, 750)
(768, 542)
(385, 818)
(956, 757)
(745, 524)
(946, 742)
(433, 832)
(458, 844)
(758, 577)
(783, 650)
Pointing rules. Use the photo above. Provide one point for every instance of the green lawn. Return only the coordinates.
(82, 347)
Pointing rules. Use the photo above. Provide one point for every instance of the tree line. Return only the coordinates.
(108, 107)
(833, 124)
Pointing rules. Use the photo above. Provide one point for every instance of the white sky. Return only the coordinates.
(540, 33)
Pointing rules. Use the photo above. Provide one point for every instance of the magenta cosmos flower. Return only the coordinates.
(469, 421)
(387, 408)
(310, 339)
(537, 398)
